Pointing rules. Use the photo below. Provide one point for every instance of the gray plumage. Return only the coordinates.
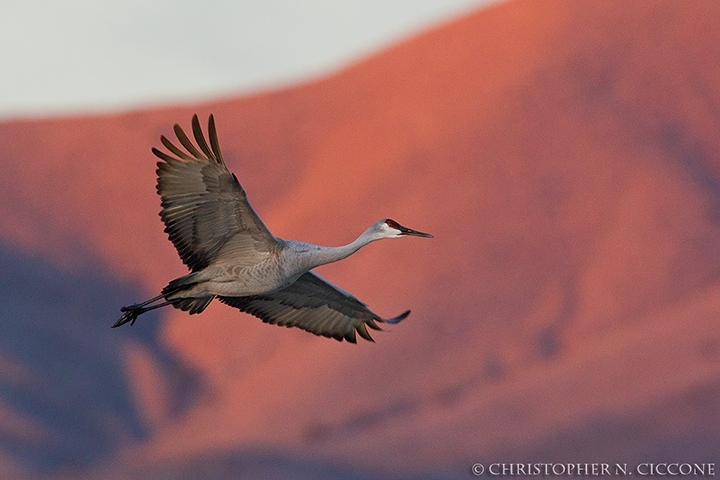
(233, 256)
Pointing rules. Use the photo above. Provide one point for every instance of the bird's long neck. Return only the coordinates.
(316, 255)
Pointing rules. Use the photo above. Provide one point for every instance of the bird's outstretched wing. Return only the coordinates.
(204, 207)
(315, 305)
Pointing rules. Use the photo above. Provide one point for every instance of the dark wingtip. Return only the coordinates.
(200, 138)
(195, 122)
(214, 143)
(162, 155)
(397, 319)
(185, 141)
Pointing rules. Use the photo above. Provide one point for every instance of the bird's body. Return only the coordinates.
(234, 257)
(281, 267)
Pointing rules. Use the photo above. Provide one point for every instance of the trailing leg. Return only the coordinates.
(171, 295)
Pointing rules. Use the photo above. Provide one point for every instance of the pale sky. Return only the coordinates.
(72, 56)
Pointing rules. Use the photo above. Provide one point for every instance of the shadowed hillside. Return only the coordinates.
(564, 155)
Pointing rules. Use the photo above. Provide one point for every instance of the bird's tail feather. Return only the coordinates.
(181, 283)
(192, 305)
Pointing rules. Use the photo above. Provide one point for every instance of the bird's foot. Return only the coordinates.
(130, 315)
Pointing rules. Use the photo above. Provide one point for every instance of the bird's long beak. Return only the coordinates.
(413, 233)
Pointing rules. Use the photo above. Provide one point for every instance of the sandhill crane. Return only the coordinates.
(234, 257)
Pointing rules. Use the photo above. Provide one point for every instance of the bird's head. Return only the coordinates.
(387, 228)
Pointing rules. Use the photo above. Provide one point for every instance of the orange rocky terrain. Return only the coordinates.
(565, 156)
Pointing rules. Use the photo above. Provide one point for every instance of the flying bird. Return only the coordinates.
(233, 256)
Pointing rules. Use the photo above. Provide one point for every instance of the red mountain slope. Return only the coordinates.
(564, 154)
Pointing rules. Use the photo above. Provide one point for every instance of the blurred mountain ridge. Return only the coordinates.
(565, 156)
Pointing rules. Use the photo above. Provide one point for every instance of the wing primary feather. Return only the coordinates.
(204, 208)
(397, 319)
(186, 142)
(163, 155)
(200, 138)
(371, 323)
(170, 146)
(212, 132)
(362, 331)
